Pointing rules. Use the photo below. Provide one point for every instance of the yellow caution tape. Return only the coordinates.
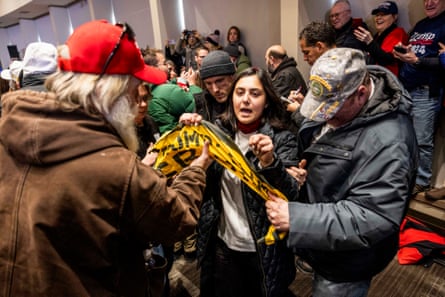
(177, 149)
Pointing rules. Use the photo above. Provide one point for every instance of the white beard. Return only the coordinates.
(122, 117)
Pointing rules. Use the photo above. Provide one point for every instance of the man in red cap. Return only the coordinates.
(77, 205)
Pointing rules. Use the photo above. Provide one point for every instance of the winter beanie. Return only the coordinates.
(232, 50)
(213, 38)
(216, 63)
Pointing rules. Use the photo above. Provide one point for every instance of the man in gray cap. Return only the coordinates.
(362, 156)
(217, 71)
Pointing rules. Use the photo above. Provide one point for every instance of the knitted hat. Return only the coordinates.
(216, 63)
(40, 57)
(335, 76)
(232, 50)
(99, 47)
(213, 38)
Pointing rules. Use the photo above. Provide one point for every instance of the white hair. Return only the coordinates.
(107, 96)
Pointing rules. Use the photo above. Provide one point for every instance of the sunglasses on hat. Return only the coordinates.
(126, 29)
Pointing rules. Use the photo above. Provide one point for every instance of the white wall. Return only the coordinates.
(45, 30)
(137, 15)
(260, 27)
(262, 22)
(79, 13)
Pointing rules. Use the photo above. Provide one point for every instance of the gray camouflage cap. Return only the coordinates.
(335, 76)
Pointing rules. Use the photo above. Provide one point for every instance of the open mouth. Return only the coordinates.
(245, 111)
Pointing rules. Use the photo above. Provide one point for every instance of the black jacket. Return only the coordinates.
(344, 37)
(286, 77)
(276, 261)
(207, 106)
(360, 178)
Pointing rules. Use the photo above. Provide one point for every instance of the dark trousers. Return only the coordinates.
(232, 274)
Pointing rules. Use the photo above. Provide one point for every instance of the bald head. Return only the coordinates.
(276, 51)
(274, 56)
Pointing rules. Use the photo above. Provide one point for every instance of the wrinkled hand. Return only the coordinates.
(277, 211)
(190, 76)
(190, 119)
(204, 160)
(150, 156)
(299, 173)
(410, 57)
(296, 96)
(363, 35)
(262, 146)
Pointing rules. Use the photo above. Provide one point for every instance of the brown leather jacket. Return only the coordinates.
(77, 207)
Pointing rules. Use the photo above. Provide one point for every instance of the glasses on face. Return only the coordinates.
(336, 15)
(126, 29)
(144, 94)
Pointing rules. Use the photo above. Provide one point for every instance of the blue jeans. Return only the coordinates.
(425, 115)
(326, 288)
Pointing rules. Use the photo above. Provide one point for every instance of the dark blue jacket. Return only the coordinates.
(424, 40)
(276, 261)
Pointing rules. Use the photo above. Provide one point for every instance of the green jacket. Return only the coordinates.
(169, 102)
(242, 63)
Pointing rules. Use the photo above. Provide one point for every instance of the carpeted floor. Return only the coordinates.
(395, 281)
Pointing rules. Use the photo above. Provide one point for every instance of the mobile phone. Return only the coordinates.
(356, 23)
(400, 49)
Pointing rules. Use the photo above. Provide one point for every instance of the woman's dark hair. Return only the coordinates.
(238, 31)
(274, 113)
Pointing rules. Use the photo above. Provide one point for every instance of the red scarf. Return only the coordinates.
(249, 128)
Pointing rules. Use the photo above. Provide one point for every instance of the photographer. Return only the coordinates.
(189, 41)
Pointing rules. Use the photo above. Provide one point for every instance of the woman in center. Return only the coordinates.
(233, 217)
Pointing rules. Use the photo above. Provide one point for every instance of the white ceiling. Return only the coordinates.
(32, 10)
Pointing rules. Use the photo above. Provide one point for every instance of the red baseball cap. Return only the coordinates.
(92, 44)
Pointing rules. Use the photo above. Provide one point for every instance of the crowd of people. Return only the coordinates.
(348, 147)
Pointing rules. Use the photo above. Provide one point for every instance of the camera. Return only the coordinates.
(187, 33)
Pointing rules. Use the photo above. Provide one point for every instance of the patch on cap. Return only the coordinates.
(334, 77)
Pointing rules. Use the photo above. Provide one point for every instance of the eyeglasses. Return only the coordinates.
(336, 15)
(125, 29)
